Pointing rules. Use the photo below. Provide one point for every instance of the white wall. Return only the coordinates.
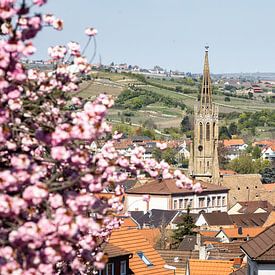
(266, 269)
(201, 221)
(135, 203)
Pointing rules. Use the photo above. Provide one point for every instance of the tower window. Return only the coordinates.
(200, 131)
(214, 124)
(208, 131)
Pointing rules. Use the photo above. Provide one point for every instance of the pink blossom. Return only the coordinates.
(20, 162)
(197, 187)
(146, 198)
(58, 24)
(91, 31)
(60, 153)
(35, 194)
(161, 146)
(40, 2)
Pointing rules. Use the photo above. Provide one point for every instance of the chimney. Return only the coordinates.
(237, 262)
(240, 230)
(198, 239)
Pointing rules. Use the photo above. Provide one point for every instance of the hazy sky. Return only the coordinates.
(172, 33)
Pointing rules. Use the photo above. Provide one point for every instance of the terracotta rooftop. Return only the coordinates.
(246, 231)
(151, 234)
(115, 251)
(233, 142)
(262, 247)
(210, 267)
(269, 186)
(168, 187)
(227, 172)
(133, 241)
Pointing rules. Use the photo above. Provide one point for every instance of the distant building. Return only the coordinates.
(164, 194)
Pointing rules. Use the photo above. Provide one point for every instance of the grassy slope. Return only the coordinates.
(163, 116)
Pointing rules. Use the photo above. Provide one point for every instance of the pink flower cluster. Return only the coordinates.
(53, 220)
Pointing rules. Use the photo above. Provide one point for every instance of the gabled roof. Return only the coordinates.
(225, 251)
(114, 251)
(189, 241)
(249, 220)
(248, 231)
(217, 218)
(233, 142)
(270, 220)
(157, 217)
(168, 187)
(252, 206)
(262, 247)
(210, 267)
(179, 217)
(132, 240)
(152, 235)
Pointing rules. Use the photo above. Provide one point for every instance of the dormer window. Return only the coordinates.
(144, 258)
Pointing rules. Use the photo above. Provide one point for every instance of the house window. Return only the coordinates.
(223, 201)
(185, 203)
(207, 131)
(123, 268)
(213, 201)
(110, 269)
(180, 203)
(201, 202)
(190, 203)
(175, 204)
(218, 201)
(144, 258)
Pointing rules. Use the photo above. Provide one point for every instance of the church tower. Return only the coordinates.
(203, 163)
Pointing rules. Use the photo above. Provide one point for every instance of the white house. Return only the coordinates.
(260, 252)
(269, 153)
(164, 194)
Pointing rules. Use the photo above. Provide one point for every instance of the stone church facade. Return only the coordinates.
(203, 162)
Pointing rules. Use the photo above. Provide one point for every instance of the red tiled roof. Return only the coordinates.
(246, 231)
(233, 142)
(168, 187)
(210, 267)
(133, 241)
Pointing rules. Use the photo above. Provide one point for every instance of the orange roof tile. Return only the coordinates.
(269, 186)
(233, 142)
(128, 222)
(227, 172)
(251, 231)
(210, 267)
(151, 234)
(133, 241)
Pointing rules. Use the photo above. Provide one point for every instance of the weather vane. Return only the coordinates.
(206, 48)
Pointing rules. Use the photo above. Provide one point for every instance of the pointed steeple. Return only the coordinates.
(206, 90)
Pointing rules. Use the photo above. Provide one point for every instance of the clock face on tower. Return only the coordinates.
(200, 148)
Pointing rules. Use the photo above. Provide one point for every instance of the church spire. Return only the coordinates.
(206, 91)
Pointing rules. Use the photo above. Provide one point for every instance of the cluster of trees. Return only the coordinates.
(252, 120)
(246, 164)
(226, 132)
(139, 98)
